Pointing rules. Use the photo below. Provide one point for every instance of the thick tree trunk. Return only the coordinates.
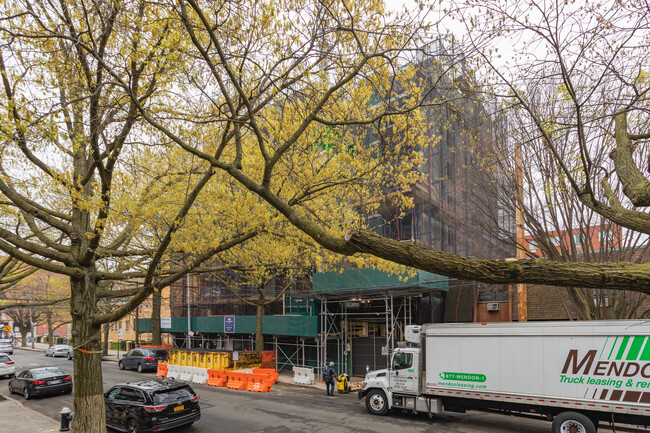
(612, 276)
(259, 337)
(156, 301)
(89, 411)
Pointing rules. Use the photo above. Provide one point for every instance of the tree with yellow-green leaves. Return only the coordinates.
(88, 191)
(269, 98)
(42, 296)
(124, 147)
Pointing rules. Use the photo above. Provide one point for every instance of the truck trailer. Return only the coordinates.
(573, 373)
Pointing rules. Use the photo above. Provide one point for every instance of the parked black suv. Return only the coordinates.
(143, 359)
(151, 405)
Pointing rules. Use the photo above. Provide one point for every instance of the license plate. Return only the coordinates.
(177, 408)
(54, 382)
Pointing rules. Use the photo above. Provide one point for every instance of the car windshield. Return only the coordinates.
(61, 347)
(173, 395)
(47, 372)
(4, 358)
(158, 353)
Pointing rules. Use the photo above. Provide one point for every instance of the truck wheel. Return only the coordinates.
(572, 422)
(376, 402)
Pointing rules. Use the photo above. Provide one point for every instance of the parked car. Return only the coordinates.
(58, 350)
(6, 346)
(41, 381)
(151, 405)
(7, 366)
(143, 359)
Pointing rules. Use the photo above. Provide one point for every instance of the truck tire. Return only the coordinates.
(376, 402)
(572, 422)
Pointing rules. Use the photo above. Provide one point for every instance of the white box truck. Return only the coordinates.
(575, 373)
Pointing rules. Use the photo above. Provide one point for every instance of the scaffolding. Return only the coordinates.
(340, 325)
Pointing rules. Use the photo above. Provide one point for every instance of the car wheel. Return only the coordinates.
(139, 368)
(69, 355)
(26, 393)
(11, 389)
(132, 426)
(119, 364)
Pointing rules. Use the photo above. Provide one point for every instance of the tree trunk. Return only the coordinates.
(107, 328)
(155, 316)
(136, 327)
(23, 336)
(259, 337)
(50, 328)
(90, 414)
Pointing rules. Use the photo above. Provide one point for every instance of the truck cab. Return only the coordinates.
(400, 385)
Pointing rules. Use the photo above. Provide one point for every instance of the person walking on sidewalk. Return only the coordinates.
(330, 376)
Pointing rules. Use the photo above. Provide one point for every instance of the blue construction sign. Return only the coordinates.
(229, 324)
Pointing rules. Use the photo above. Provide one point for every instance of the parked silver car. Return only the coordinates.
(6, 346)
(58, 350)
(7, 366)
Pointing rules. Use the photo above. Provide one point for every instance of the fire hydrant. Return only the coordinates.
(66, 417)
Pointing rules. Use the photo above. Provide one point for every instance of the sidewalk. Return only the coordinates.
(16, 418)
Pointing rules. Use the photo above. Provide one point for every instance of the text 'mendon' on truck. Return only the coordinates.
(575, 373)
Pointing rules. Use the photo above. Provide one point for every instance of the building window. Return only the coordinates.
(119, 325)
(532, 246)
(577, 239)
(555, 241)
(126, 323)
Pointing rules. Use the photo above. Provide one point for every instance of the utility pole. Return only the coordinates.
(522, 295)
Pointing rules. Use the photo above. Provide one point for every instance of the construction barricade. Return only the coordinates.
(195, 359)
(303, 375)
(259, 382)
(237, 380)
(200, 375)
(186, 373)
(217, 377)
(173, 371)
(270, 372)
(162, 369)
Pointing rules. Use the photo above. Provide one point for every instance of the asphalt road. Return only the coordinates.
(287, 409)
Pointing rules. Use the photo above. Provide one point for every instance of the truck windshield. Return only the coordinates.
(402, 360)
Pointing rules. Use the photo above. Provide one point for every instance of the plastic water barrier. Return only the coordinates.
(200, 375)
(303, 375)
(186, 373)
(162, 369)
(173, 371)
